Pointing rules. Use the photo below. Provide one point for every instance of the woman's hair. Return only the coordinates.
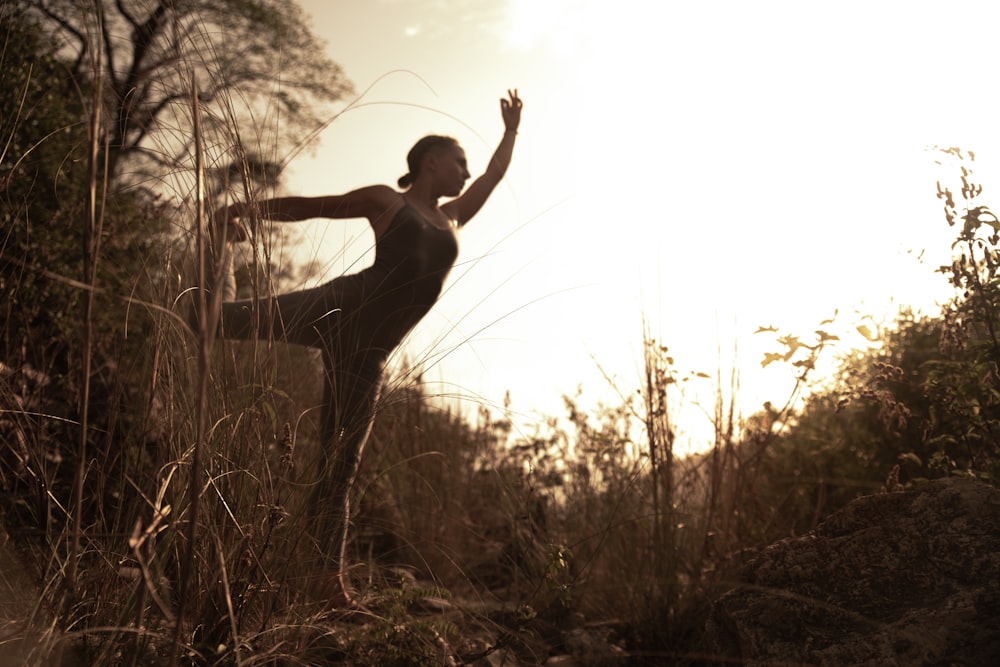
(415, 157)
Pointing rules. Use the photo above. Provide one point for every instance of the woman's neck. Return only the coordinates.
(423, 197)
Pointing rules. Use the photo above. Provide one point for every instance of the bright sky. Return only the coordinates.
(710, 166)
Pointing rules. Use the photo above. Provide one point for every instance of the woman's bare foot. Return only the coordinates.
(235, 232)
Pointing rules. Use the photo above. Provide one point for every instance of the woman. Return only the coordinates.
(357, 320)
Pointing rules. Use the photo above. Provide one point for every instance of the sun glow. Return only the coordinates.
(562, 27)
(715, 166)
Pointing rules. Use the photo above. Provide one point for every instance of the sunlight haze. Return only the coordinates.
(708, 167)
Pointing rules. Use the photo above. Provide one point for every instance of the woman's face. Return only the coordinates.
(451, 170)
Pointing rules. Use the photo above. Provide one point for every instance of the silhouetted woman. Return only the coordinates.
(357, 320)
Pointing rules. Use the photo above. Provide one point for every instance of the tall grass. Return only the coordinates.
(162, 534)
(600, 522)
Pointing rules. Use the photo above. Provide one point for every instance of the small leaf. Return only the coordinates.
(771, 357)
(867, 333)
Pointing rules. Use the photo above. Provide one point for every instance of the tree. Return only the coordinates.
(244, 59)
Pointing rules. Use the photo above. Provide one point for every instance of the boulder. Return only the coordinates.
(907, 578)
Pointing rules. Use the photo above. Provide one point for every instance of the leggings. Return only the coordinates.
(352, 370)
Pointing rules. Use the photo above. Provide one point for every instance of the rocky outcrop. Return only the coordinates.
(909, 578)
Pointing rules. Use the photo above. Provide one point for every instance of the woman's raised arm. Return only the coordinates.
(463, 208)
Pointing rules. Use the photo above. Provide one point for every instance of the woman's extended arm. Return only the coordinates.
(366, 202)
(463, 208)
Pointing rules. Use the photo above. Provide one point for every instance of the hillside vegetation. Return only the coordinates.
(154, 479)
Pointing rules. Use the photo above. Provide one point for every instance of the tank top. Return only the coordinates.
(412, 260)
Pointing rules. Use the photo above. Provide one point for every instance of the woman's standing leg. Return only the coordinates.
(352, 384)
(352, 390)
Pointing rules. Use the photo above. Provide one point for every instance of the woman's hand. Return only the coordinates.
(510, 110)
(230, 218)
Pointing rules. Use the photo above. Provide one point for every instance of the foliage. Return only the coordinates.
(57, 293)
(963, 387)
(924, 402)
(928, 399)
(42, 198)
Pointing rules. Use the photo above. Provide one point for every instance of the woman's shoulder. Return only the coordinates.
(377, 194)
(382, 204)
(370, 201)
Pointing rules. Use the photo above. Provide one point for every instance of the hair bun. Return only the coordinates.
(405, 181)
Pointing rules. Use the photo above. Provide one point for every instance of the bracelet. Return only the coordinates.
(510, 131)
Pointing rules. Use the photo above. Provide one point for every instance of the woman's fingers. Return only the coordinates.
(512, 100)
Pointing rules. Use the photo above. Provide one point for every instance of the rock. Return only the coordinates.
(910, 578)
(592, 649)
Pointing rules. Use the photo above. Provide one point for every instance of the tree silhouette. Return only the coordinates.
(243, 58)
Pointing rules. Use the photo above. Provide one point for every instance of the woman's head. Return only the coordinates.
(431, 144)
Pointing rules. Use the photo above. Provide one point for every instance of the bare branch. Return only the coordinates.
(109, 52)
(68, 27)
(124, 12)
